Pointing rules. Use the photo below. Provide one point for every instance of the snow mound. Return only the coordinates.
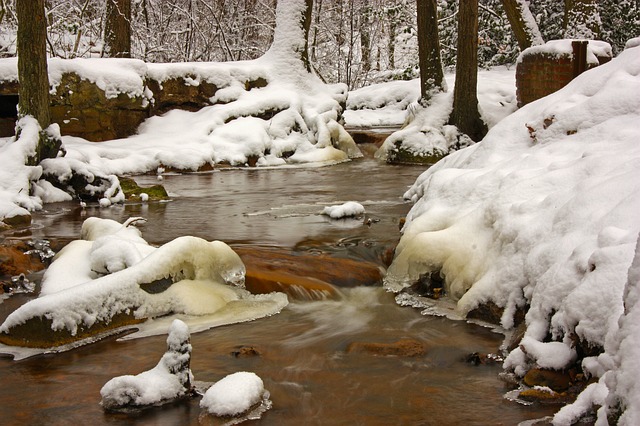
(233, 395)
(90, 283)
(170, 379)
(541, 214)
(348, 209)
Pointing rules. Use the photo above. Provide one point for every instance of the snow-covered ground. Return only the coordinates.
(544, 214)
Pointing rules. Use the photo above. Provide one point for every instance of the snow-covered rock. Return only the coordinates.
(169, 380)
(340, 211)
(234, 394)
(114, 278)
(542, 214)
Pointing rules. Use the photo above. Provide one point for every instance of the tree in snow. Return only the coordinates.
(465, 114)
(117, 30)
(431, 74)
(33, 75)
(522, 23)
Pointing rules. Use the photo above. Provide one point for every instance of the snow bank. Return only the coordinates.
(234, 394)
(170, 379)
(425, 132)
(542, 213)
(348, 209)
(90, 282)
(393, 103)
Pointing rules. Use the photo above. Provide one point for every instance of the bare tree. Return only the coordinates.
(33, 74)
(431, 74)
(465, 114)
(117, 32)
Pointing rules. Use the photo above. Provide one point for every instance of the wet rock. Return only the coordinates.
(401, 348)
(246, 352)
(13, 262)
(132, 190)
(18, 220)
(492, 313)
(544, 395)
(304, 275)
(477, 358)
(558, 381)
(401, 155)
(180, 93)
(37, 332)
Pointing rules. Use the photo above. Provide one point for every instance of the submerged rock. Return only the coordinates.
(304, 276)
(169, 380)
(402, 348)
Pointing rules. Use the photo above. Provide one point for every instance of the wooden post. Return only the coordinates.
(579, 56)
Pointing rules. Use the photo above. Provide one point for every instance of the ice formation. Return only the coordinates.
(169, 380)
(114, 271)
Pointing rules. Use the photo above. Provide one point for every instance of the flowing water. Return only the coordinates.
(303, 356)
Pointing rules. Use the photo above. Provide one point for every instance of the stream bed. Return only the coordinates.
(301, 353)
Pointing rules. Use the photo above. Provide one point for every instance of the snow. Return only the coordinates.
(168, 380)
(348, 209)
(234, 394)
(94, 279)
(388, 104)
(543, 213)
(563, 48)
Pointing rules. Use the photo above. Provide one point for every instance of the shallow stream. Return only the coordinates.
(303, 356)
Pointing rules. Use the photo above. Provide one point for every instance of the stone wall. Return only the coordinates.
(82, 109)
(542, 70)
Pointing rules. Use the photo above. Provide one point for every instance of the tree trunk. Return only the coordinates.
(431, 74)
(306, 25)
(32, 61)
(33, 74)
(581, 19)
(117, 31)
(465, 114)
(523, 24)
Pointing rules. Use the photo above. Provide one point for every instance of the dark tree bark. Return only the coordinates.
(465, 115)
(32, 61)
(117, 31)
(431, 74)
(33, 74)
(525, 30)
(306, 25)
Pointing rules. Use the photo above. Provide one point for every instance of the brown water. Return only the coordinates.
(303, 361)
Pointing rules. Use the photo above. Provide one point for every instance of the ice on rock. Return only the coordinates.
(348, 209)
(169, 380)
(114, 272)
(234, 395)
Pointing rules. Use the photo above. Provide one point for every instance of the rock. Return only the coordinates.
(169, 380)
(14, 261)
(18, 220)
(558, 381)
(401, 155)
(401, 348)
(544, 396)
(245, 352)
(303, 275)
(132, 190)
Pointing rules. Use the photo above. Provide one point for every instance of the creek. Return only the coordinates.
(303, 356)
